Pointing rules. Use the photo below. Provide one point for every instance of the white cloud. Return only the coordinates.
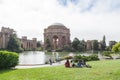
(30, 17)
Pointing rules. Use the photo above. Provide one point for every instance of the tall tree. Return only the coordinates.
(48, 45)
(95, 45)
(75, 43)
(104, 43)
(14, 44)
(80, 47)
(83, 44)
(38, 44)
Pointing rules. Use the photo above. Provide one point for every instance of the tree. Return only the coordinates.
(67, 48)
(48, 45)
(75, 43)
(80, 46)
(95, 45)
(38, 44)
(104, 43)
(116, 47)
(14, 44)
(83, 44)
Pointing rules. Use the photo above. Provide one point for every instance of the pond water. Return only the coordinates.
(32, 57)
(39, 57)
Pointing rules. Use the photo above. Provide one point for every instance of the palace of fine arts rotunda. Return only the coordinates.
(58, 36)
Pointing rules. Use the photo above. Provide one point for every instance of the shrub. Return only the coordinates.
(107, 53)
(8, 59)
(92, 57)
(59, 50)
(68, 57)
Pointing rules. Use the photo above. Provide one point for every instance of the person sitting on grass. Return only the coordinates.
(85, 65)
(79, 63)
(72, 63)
(67, 63)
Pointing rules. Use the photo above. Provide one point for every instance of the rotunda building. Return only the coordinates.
(58, 36)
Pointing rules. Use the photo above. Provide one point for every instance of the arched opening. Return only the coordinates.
(55, 42)
(21, 45)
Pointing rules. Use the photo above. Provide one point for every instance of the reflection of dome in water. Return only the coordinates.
(57, 25)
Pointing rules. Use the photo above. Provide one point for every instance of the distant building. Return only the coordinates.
(5, 35)
(111, 43)
(58, 36)
(27, 44)
(89, 45)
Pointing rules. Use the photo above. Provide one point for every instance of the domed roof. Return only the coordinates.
(56, 25)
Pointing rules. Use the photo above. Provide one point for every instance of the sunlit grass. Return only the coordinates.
(101, 70)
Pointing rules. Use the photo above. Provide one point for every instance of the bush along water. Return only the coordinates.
(8, 59)
(92, 57)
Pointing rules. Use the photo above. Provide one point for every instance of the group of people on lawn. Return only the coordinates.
(80, 63)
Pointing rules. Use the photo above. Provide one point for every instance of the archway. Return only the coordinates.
(55, 42)
(58, 35)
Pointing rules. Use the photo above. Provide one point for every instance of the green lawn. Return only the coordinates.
(101, 70)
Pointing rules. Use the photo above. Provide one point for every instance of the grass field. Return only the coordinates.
(101, 70)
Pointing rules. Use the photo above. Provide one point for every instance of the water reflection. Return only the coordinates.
(39, 57)
(32, 57)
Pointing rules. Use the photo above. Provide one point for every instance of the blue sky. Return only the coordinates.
(87, 19)
(87, 5)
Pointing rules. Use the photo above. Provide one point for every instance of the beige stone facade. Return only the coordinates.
(5, 36)
(58, 36)
(89, 45)
(27, 44)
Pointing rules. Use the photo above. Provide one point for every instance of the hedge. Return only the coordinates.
(8, 59)
(92, 57)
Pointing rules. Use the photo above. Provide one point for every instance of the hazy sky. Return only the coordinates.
(87, 19)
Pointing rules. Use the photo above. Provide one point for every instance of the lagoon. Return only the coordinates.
(40, 57)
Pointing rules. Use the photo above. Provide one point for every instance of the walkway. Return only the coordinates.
(37, 66)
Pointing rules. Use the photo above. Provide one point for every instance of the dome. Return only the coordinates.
(57, 25)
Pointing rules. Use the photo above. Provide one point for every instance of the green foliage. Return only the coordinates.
(14, 44)
(68, 57)
(38, 44)
(92, 57)
(8, 59)
(67, 48)
(39, 49)
(107, 53)
(95, 45)
(78, 45)
(75, 43)
(104, 43)
(59, 50)
(116, 47)
(111, 43)
(48, 45)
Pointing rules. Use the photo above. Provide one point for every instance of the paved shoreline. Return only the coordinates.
(41, 65)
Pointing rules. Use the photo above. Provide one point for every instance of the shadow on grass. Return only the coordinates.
(2, 71)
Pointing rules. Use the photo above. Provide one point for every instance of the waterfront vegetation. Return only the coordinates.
(101, 70)
(8, 59)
